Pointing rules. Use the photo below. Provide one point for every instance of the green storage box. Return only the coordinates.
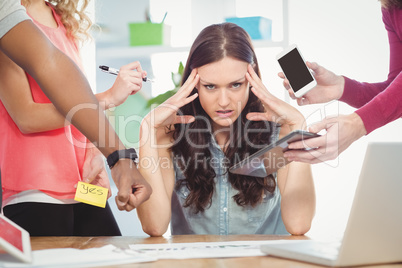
(147, 33)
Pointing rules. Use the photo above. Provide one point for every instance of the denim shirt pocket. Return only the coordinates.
(183, 192)
(258, 214)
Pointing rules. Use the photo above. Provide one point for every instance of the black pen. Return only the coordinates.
(114, 71)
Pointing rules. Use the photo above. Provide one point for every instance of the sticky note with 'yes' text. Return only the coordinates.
(91, 194)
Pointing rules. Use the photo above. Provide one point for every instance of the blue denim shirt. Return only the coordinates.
(224, 216)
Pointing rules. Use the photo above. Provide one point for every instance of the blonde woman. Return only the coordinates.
(41, 158)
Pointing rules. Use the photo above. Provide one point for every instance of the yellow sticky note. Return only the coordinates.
(91, 194)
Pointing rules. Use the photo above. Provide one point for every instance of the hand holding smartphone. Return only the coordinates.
(296, 71)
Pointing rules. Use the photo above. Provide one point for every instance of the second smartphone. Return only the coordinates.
(296, 71)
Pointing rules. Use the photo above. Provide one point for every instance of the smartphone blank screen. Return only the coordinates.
(295, 70)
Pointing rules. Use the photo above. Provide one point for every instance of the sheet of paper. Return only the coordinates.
(70, 258)
(91, 194)
(231, 249)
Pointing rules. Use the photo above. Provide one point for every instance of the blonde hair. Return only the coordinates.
(76, 22)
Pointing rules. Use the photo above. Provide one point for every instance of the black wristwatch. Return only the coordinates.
(118, 154)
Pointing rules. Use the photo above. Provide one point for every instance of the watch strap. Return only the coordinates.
(119, 154)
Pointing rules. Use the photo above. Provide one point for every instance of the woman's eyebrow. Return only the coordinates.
(205, 82)
(239, 80)
(235, 81)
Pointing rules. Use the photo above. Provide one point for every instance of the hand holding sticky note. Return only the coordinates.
(91, 194)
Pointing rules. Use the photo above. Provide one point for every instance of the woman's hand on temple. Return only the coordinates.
(166, 113)
(276, 110)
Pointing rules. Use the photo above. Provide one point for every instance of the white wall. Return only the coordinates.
(113, 17)
(87, 52)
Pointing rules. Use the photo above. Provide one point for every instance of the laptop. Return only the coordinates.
(373, 233)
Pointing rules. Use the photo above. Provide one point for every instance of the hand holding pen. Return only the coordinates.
(128, 82)
(114, 71)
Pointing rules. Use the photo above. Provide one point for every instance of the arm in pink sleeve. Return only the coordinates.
(384, 108)
(357, 94)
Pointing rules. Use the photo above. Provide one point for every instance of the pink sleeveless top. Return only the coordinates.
(49, 161)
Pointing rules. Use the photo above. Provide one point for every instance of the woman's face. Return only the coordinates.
(223, 90)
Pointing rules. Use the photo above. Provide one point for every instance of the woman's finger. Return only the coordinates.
(252, 73)
(193, 75)
(190, 98)
(324, 124)
(93, 174)
(257, 85)
(314, 67)
(308, 144)
(286, 84)
(184, 119)
(251, 81)
(306, 156)
(291, 94)
(261, 95)
(182, 96)
(257, 117)
(136, 65)
(303, 101)
(192, 84)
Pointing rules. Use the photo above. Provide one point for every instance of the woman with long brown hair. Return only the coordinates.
(222, 113)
